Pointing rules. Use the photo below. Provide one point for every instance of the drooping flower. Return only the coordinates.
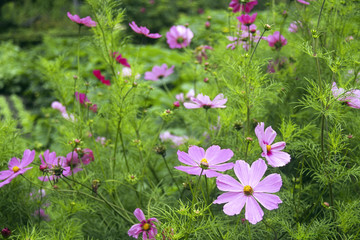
(208, 162)
(159, 72)
(54, 167)
(303, 2)
(87, 21)
(79, 156)
(177, 140)
(238, 6)
(272, 153)
(249, 191)
(351, 98)
(200, 52)
(97, 74)
(146, 226)
(203, 101)
(276, 40)
(82, 98)
(58, 106)
(179, 36)
(123, 61)
(17, 167)
(247, 19)
(143, 30)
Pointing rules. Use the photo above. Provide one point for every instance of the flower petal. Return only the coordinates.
(222, 167)
(227, 183)
(253, 211)
(189, 170)
(278, 146)
(270, 184)
(227, 197)
(135, 230)
(257, 171)
(27, 158)
(269, 201)
(235, 206)
(278, 159)
(186, 159)
(5, 174)
(242, 170)
(223, 155)
(196, 153)
(139, 215)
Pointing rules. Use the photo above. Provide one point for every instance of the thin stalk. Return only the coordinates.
(196, 189)
(267, 225)
(172, 176)
(123, 149)
(115, 148)
(257, 44)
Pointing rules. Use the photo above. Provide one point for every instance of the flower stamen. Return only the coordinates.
(268, 148)
(146, 226)
(248, 190)
(15, 169)
(204, 163)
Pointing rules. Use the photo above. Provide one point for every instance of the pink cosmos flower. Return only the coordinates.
(58, 106)
(82, 98)
(177, 140)
(276, 40)
(86, 156)
(146, 227)
(101, 140)
(303, 2)
(54, 167)
(249, 191)
(120, 59)
(237, 6)
(98, 75)
(208, 162)
(294, 26)
(41, 212)
(351, 98)
(272, 153)
(179, 36)
(87, 21)
(189, 95)
(200, 52)
(203, 101)
(17, 167)
(159, 73)
(143, 30)
(247, 19)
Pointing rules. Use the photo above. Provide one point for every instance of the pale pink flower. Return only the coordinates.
(207, 162)
(249, 191)
(303, 2)
(200, 52)
(203, 101)
(146, 226)
(17, 167)
(159, 72)
(177, 140)
(143, 30)
(237, 6)
(58, 106)
(41, 213)
(87, 21)
(351, 98)
(179, 36)
(272, 153)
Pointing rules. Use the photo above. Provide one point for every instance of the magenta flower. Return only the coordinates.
(159, 73)
(276, 40)
(237, 6)
(203, 101)
(247, 19)
(208, 162)
(143, 30)
(303, 2)
(249, 191)
(17, 167)
(87, 21)
(82, 98)
(351, 98)
(98, 75)
(86, 156)
(179, 36)
(120, 59)
(54, 167)
(272, 153)
(146, 227)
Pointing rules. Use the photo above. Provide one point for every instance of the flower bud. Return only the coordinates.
(350, 136)
(6, 232)
(206, 80)
(249, 139)
(208, 18)
(267, 27)
(75, 77)
(186, 24)
(135, 84)
(207, 25)
(161, 150)
(176, 104)
(43, 167)
(238, 125)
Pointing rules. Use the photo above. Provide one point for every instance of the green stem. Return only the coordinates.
(257, 44)
(115, 148)
(172, 176)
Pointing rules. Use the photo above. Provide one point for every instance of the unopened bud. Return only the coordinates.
(267, 27)
(206, 80)
(249, 139)
(176, 104)
(6, 232)
(326, 204)
(135, 84)
(209, 18)
(186, 24)
(75, 77)
(238, 125)
(350, 136)
(161, 150)
(207, 25)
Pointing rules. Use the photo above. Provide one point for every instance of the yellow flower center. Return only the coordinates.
(248, 190)
(204, 163)
(146, 226)
(268, 148)
(15, 169)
